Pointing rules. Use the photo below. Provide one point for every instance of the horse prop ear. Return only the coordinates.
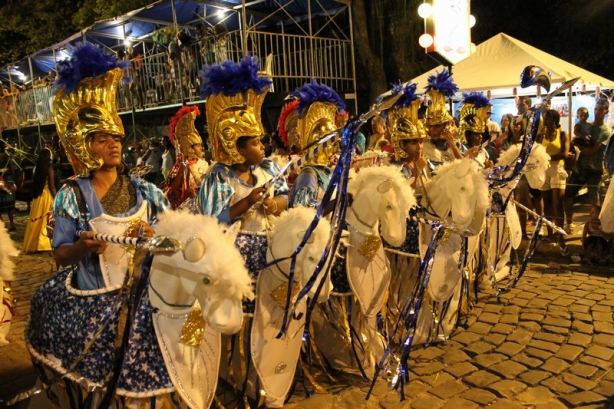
(385, 186)
(233, 230)
(463, 168)
(311, 238)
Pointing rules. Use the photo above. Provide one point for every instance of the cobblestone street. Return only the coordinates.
(548, 343)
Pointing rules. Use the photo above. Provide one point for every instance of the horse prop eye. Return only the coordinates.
(388, 207)
(462, 189)
(311, 258)
(206, 281)
(194, 249)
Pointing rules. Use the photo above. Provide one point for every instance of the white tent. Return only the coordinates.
(497, 63)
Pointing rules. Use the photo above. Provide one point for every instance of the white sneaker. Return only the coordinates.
(568, 228)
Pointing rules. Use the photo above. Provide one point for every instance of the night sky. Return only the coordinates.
(578, 31)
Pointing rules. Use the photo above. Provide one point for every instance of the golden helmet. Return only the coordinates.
(403, 119)
(234, 95)
(474, 114)
(85, 103)
(182, 133)
(440, 87)
(317, 115)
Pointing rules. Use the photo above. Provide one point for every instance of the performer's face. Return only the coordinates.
(413, 148)
(436, 130)
(252, 149)
(198, 150)
(108, 148)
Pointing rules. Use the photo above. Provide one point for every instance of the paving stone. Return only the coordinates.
(584, 317)
(507, 388)
(585, 371)
(546, 346)
(604, 327)
(502, 329)
(519, 302)
(569, 352)
(595, 296)
(605, 388)
(556, 330)
(455, 356)
(551, 404)
(495, 339)
(533, 378)
(574, 400)
(533, 396)
(448, 389)
(526, 295)
(506, 404)
(531, 317)
(480, 396)
(437, 379)
(577, 382)
(461, 369)
(510, 348)
(521, 336)
(585, 301)
(428, 369)
(508, 319)
(478, 348)
(558, 386)
(599, 363)
(602, 308)
(538, 303)
(480, 328)
(428, 402)
(489, 317)
(531, 326)
(538, 353)
(488, 360)
(467, 338)
(602, 316)
(557, 322)
(581, 339)
(459, 403)
(427, 354)
(481, 379)
(551, 294)
(527, 361)
(600, 352)
(564, 301)
(582, 327)
(579, 308)
(555, 365)
(549, 337)
(508, 369)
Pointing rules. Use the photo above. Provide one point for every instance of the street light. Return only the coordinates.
(425, 10)
(425, 40)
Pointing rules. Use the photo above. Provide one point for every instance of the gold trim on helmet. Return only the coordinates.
(437, 112)
(315, 124)
(405, 125)
(472, 119)
(186, 135)
(90, 108)
(230, 118)
(292, 132)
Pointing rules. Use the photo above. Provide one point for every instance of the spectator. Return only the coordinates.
(7, 186)
(596, 244)
(585, 175)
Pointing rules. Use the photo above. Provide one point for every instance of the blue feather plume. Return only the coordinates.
(443, 83)
(409, 93)
(313, 92)
(478, 99)
(230, 78)
(86, 61)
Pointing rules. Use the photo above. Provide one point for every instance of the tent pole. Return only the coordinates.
(569, 99)
(38, 122)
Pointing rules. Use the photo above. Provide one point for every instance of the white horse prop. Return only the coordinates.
(381, 200)
(169, 349)
(275, 359)
(7, 266)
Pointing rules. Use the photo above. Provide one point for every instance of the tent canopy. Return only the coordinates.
(497, 63)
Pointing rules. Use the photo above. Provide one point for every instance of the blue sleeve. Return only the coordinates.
(155, 198)
(305, 190)
(67, 218)
(214, 196)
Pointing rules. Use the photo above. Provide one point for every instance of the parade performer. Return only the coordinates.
(473, 117)
(442, 146)
(7, 250)
(315, 115)
(235, 188)
(189, 170)
(37, 236)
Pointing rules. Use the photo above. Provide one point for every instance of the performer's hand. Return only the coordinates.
(95, 246)
(421, 163)
(270, 206)
(488, 163)
(448, 135)
(472, 152)
(256, 195)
